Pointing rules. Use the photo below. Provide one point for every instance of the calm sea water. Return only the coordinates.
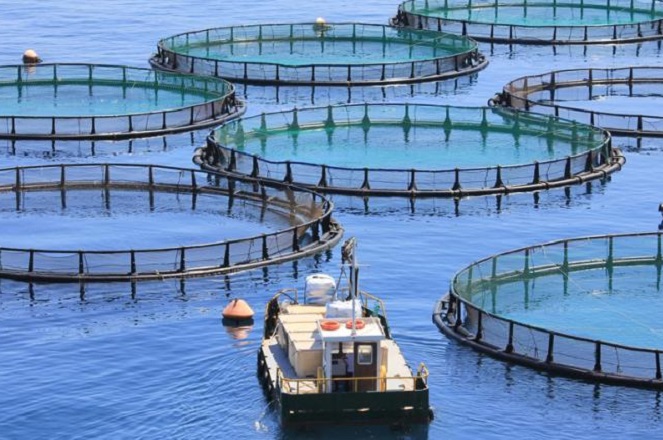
(153, 362)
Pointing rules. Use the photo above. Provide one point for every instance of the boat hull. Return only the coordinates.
(388, 408)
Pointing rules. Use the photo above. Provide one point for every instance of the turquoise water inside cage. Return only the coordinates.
(85, 99)
(397, 147)
(336, 51)
(622, 306)
(544, 15)
(619, 105)
(120, 220)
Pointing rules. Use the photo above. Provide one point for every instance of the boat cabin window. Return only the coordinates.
(365, 355)
(345, 347)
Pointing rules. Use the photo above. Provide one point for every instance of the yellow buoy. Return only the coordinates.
(31, 57)
(237, 309)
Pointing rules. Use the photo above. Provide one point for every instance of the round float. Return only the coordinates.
(608, 98)
(88, 101)
(538, 21)
(314, 53)
(125, 222)
(588, 307)
(411, 149)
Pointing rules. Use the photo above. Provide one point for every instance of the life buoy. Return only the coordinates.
(330, 325)
(359, 324)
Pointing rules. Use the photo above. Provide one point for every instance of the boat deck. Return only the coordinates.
(276, 359)
(399, 374)
(299, 329)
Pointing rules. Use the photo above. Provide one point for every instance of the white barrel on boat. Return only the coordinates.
(343, 309)
(319, 288)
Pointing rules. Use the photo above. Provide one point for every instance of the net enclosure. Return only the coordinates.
(410, 149)
(587, 307)
(538, 21)
(65, 149)
(309, 54)
(93, 101)
(609, 98)
(306, 216)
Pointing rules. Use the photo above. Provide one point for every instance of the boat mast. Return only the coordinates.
(349, 255)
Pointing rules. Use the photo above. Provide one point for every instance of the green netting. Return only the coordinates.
(309, 53)
(588, 307)
(608, 98)
(538, 22)
(77, 148)
(304, 227)
(85, 101)
(406, 148)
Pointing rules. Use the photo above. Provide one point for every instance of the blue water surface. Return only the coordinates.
(108, 361)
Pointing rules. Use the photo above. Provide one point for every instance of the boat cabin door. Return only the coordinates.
(366, 365)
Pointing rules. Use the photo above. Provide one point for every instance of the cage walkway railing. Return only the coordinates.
(417, 14)
(171, 56)
(547, 349)
(222, 107)
(314, 232)
(592, 154)
(538, 93)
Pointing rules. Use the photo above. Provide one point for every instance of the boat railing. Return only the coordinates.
(320, 384)
(421, 382)
(380, 305)
(364, 297)
(289, 292)
(272, 310)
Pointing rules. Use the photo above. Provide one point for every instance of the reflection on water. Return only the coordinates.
(238, 329)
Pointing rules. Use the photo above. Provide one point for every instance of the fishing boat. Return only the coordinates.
(329, 357)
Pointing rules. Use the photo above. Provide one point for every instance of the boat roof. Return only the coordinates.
(372, 331)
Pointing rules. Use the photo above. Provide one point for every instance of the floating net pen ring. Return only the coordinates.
(108, 102)
(342, 54)
(565, 307)
(607, 98)
(410, 150)
(538, 22)
(308, 227)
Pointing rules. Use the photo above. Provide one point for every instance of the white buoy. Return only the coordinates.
(320, 25)
(31, 57)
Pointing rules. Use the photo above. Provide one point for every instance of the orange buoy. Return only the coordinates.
(330, 325)
(359, 324)
(237, 309)
(31, 57)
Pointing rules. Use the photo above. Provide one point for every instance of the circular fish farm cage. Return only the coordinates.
(312, 54)
(410, 150)
(538, 22)
(83, 199)
(609, 98)
(587, 308)
(95, 102)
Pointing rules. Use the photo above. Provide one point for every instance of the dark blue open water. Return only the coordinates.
(156, 362)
